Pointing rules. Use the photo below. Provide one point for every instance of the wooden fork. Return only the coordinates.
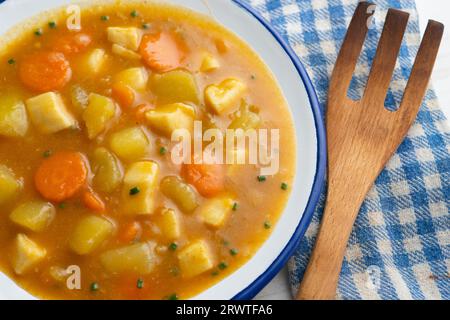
(362, 136)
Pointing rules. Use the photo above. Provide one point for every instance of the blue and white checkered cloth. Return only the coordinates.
(399, 247)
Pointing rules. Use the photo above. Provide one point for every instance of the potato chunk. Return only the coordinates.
(128, 37)
(246, 118)
(215, 211)
(49, 113)
(169, 224)
(27, 254)
(135, 78)
(35, 216)
(139, 187)
(125, 53)
(175, 86)
(130, 144)
(171, 117)
(89, 234)
(107, 169)
(138, 258)
(99, 112)
(181, 193)
(13, 116)
(222, 97)
(9, 185)
(209, 63)
(195, 259)
(93, 62)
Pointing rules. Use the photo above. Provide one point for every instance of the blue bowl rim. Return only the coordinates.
(319, 180)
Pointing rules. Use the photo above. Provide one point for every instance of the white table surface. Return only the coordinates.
(438, 10)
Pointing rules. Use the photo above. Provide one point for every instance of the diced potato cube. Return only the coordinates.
(135, 78)
(195, 259)
(138, 258)
(107, 169)
(9, 185)
(13, 116)
(245, 118)
(215, 211)
(175, 86)
(35, 216)
(171, 117)
(128, 37)
(169, 224)
(49, 113)
(130, 144)
(222, 97)
(125, 53)
(80, 98)
(139, 186)
(27, 254)
(93, 62)
(181, 193)
(89, 234)
(143, 174)
(209, 63)
(99, 112)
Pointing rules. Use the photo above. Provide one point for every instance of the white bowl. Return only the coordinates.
(296, 86)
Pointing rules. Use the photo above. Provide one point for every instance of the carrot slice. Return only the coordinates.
(93, 201)
(73, 43)
(123, 94)
(161, 52)
(61, 176)
(141, 110)
(209, 180)
(130, 232)
(45, 71)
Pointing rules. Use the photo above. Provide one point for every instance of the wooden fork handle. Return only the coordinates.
(322, 274)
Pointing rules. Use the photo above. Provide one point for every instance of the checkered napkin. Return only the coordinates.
(400, 244)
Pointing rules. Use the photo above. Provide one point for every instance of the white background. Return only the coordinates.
(428, 9)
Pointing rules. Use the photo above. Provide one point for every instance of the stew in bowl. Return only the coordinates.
(94, 204)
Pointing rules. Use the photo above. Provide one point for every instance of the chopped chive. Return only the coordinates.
(162, 151)
(223, 265)
(267, 225)
(62, 205)
(134, 191)
(38, 32)
(94, 286)
(146, 26)
(235, 206)
(104, 18)
(215, 273)
(284, 186)
(226, 243)
(234, 252)
(173, 246)
(47, 153)
(173, 296)
(262, 178)
(140, 284)
(134, 13)
(11, 61)
(52, 24)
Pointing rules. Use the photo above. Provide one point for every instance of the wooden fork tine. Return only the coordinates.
(350, 50)
(384, 62)
(421, 72)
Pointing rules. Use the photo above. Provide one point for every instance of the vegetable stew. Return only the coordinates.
(86, 174)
